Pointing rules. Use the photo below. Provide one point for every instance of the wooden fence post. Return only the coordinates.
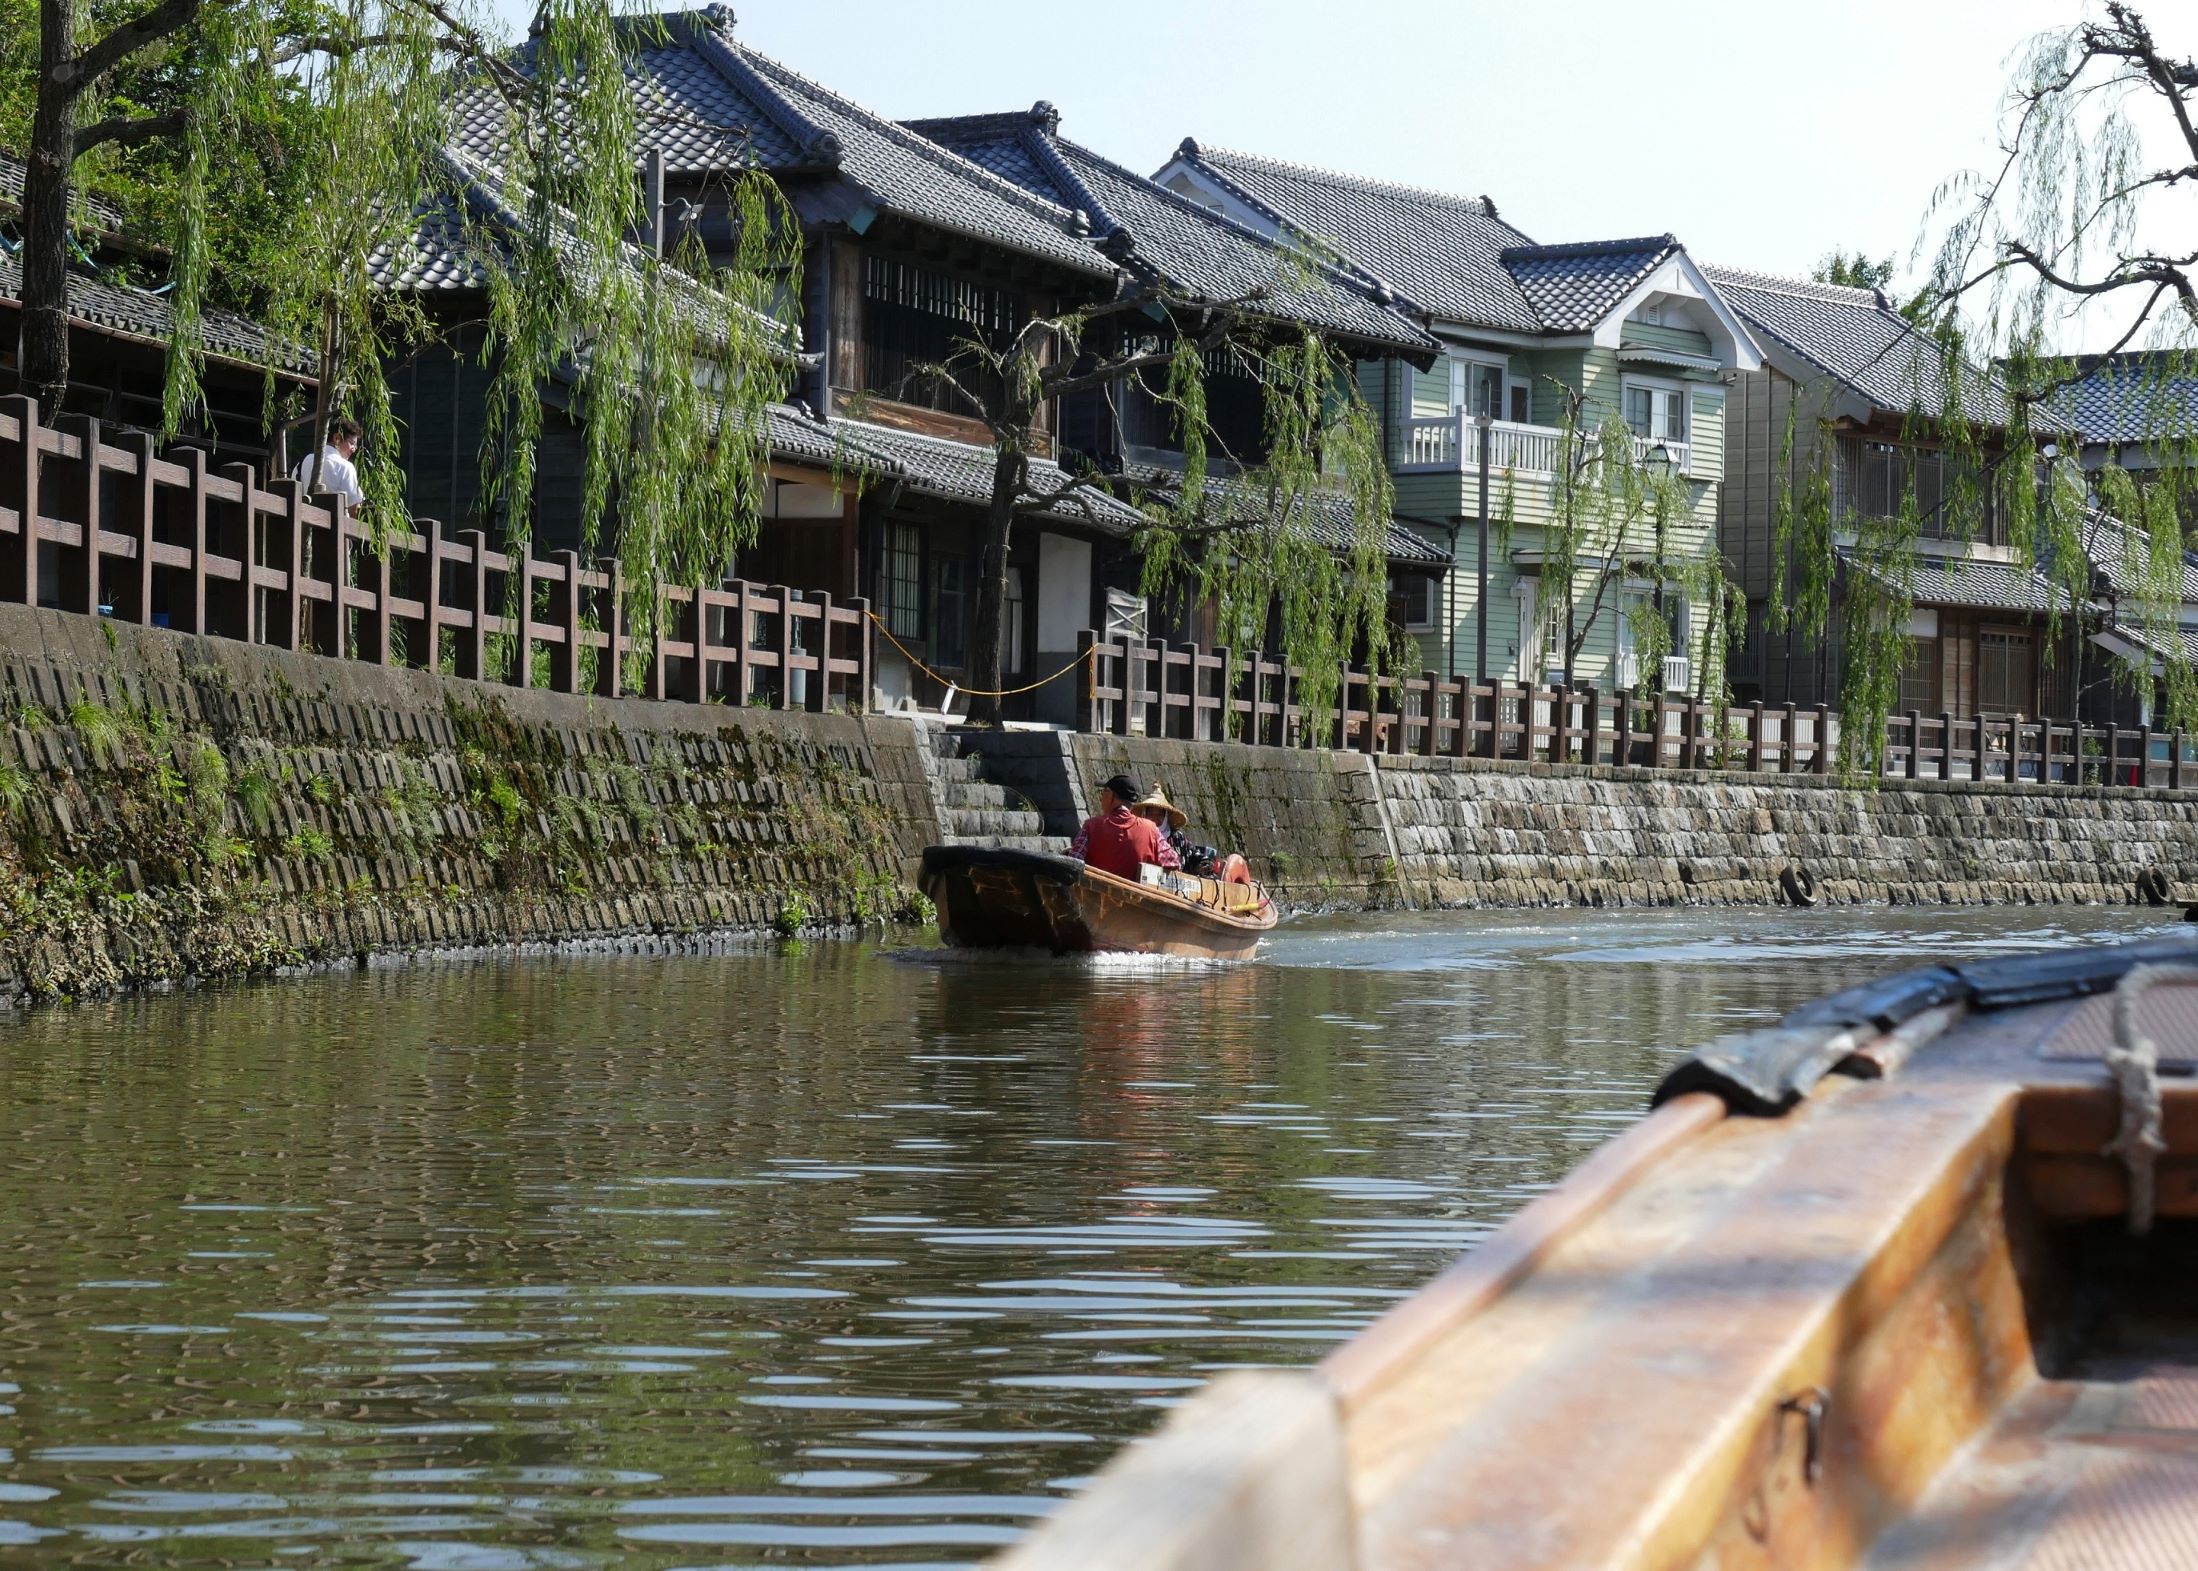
(136, 504)
(78, 586)
(473, 642)
(1983, 747)
(1130, 663)
(1821, 754)
(1592, 755)
(1946, 745)
(19, 491)
(2175, 761)
(1622, 753)
(1915, 749)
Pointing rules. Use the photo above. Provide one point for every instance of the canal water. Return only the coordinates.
(834, 1257)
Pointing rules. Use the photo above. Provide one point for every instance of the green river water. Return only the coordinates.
(846, 1256)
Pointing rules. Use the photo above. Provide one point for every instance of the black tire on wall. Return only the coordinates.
(1798, 885)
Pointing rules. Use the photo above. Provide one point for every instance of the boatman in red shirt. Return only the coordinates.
(1117, 841)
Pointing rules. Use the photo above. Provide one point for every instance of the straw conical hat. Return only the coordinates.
(1158, 797)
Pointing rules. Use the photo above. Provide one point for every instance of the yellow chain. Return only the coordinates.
(971, 692)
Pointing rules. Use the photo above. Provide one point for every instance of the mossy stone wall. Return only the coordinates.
(175, 807)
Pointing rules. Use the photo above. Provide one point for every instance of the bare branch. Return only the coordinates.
(98, 58)
(130, 131)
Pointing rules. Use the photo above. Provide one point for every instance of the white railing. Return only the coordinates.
(1678, 673)
(1452, 443)
(1625, 671)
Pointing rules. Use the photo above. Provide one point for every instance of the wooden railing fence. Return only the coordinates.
(1155, 688)
(98, 522)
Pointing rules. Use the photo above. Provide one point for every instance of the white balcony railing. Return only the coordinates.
(1451, 444)
(1625, 671)
(1678, 673)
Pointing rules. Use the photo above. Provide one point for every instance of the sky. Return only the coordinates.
(1763, 133)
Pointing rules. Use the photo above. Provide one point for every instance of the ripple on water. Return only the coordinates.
(806, 1259)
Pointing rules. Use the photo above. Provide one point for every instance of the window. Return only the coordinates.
(2007, 671)
(1412, 601)
(915, 315)
(1919, 677)
(1477, 387)
(903, 580)
(949, 611)
(1522, 404)
(1014, 655)
(1656, 411)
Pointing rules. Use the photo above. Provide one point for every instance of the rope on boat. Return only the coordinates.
(2134, 1061)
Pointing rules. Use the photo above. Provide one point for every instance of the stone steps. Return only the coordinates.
(973, 811)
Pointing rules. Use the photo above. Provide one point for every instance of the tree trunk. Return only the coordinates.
(44, 351)
(988, 647)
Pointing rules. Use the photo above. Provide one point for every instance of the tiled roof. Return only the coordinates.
(2185, 638)
(1329, 514)
(959, 471)
(1445, 253)
(2122, 551)
(1856, 338)
(97, 208)
(2136, 397)
(709, 103)
(1169, 237)
(1967, 582)
(1573, 287)
(142, 314)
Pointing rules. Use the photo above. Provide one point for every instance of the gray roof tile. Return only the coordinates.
(2136, 397)
(1573, 287)
(962, 471)
(1329, 514)
(1444, 253)
(107, 215)
(1966, 582)
(710, 104)
(1166, 235)
(142, 314)
(1854, 337)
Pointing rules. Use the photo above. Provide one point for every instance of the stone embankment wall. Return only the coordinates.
(176, 807)
(1344, 829)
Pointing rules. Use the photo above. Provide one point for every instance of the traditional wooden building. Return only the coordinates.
(1861, 391)
(1189, 252)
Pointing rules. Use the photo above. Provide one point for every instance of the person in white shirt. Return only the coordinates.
(333, 469)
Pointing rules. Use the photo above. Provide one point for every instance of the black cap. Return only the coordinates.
(1123, 786)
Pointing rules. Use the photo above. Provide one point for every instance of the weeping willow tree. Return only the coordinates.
(2082, 231)
(671, 361)
(1250, 535)
(1619, 519)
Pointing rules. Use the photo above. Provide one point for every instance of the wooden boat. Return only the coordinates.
(1002, 899)
(1908, 1281)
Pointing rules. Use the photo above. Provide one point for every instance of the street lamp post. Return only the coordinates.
(1658, 463)
(1480, 605)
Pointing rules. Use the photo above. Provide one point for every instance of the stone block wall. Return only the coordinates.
(1471, 832)
(1310, 823)
(177, 807)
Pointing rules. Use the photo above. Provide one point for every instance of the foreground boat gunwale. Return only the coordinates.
(1991, 1140)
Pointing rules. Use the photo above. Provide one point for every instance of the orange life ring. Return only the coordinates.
(1235, 870)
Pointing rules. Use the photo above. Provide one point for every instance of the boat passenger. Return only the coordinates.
(1115, 840)
(1169, 820)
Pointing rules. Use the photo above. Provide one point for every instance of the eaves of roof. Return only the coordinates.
(139, 313)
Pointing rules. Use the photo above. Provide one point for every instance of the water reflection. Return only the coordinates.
(833, 1258)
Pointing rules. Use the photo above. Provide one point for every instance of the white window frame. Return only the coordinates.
(1682, 391)
(1462, 366)
(1537, 634)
